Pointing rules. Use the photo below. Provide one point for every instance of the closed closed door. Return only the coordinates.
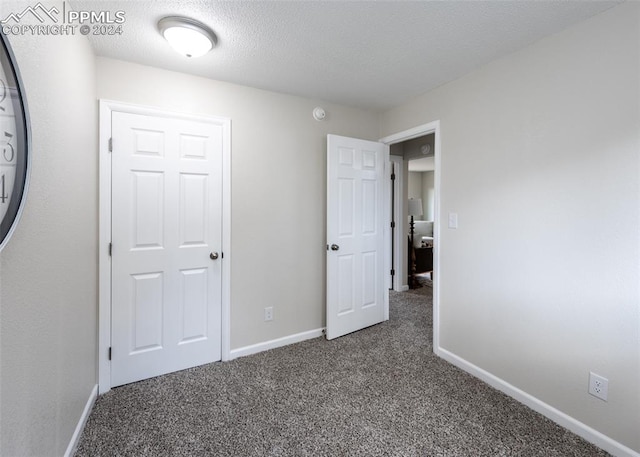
(166, 241)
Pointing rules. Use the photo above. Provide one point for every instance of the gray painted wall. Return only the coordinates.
(428, 195)
(421, 185)
(278, 189)
(540, 159)
(48, 269)
(415, 188)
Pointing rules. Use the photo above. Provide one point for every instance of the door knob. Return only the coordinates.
(335, 247)
(213, 255)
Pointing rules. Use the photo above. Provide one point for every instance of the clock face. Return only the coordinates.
(13, 143)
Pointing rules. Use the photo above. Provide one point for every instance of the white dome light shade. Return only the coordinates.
(187, 36)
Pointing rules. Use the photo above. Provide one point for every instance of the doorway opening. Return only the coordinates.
(420, 197)
(418, 147)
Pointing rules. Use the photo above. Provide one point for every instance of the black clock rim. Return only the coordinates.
(7, 60)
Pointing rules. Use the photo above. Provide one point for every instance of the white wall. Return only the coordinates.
(415, 188)
(428, 194)
(539, 285)
(421, 185)
(278, 189)
(48, 270)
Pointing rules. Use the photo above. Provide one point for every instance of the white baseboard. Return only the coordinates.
(82, 422)
(279, 342)
(402, 288)
(593, 436)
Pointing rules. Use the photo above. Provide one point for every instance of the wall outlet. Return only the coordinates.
(598, 386)
(268, 313)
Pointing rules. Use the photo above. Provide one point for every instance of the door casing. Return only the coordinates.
(107, 107)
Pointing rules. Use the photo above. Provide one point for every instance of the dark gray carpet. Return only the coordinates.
(424, 286)
(377, 392)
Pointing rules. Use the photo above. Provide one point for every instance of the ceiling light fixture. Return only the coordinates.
(187, 36)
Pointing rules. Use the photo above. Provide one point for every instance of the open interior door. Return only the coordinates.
(357, 293)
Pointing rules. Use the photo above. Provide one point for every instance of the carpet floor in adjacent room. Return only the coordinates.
(377, 392)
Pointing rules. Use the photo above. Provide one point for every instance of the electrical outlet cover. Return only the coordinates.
(598, 386)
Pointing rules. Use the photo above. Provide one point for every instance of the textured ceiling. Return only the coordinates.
(368, 54)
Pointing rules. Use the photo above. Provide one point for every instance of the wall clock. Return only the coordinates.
(14, 143)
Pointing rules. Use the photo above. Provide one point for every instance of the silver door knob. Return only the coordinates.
(335, 247)
(213, 255)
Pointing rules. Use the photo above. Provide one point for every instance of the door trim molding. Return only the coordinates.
(409, 134)
(107, 107)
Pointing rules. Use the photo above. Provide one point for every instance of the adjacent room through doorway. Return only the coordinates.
(415, 185)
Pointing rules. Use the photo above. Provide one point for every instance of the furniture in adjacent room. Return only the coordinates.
(420, 258)
(414, 209)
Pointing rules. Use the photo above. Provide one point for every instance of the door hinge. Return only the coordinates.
(393, 272)
(393, 224)
(393, 176)
(110, 144)
(109, 352)
(110, 249)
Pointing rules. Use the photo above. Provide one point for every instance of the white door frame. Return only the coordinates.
(401, 222)
(104, 229)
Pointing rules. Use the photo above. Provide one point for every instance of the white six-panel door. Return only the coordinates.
(166, 234)
(356, 280)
